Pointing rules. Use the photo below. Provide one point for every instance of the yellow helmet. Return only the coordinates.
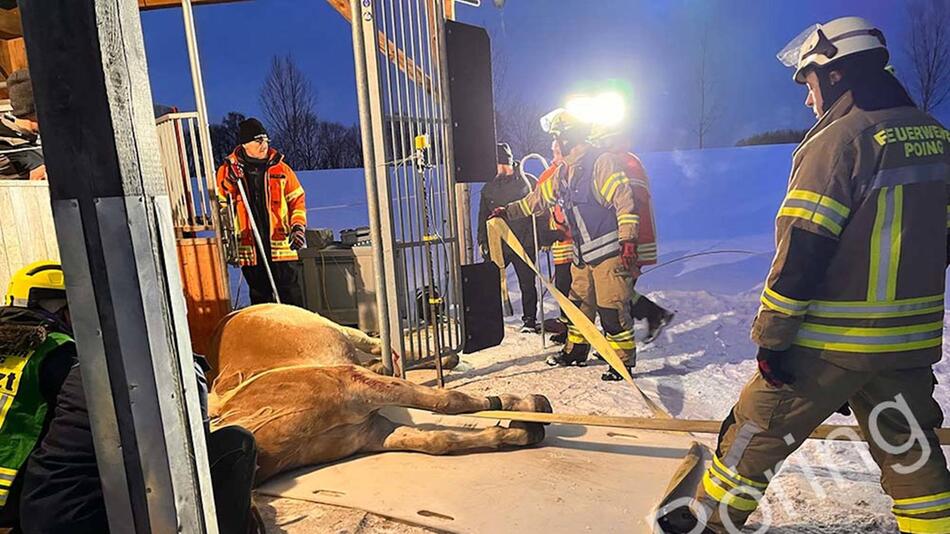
(37, 281)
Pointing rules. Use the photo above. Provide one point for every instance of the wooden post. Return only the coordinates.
(113, 225)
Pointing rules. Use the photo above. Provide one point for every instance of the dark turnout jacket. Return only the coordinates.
(861, 237)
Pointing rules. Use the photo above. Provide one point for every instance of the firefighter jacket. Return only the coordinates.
(285, 201)
(24, 397)
(861, 241)
(597, 198)
(563, 249)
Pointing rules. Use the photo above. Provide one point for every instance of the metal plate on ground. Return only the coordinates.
(582, 479)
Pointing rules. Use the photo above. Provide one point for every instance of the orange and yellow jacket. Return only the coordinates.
(563, 250)
(640, 183)
(286, 205)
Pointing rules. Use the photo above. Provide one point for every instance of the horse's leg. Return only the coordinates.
(390, 436)
(376, 391)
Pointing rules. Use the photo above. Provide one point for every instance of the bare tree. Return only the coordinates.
(928, 48)
(516, 117)
(289, 104)
(709, 110)
(224, 136)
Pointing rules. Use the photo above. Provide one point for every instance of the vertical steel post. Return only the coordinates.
(363, 14)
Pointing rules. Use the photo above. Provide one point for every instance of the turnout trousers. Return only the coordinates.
(895, 409)
(604, 289)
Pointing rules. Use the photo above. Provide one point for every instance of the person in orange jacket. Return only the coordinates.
(278, 205)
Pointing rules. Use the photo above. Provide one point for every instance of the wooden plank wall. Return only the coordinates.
(26, 227)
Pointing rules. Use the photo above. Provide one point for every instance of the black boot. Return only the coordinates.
(611, 375)
(559, 339)
(530, 327)
(577, 356)
(656, 324)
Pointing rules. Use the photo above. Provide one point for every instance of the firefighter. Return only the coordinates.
(612, 138)
(598, 202)
(562, 246)
(49, 477)
(278, 205)
(852, 311)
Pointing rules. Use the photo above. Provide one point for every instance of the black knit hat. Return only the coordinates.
(250, 129)
(504, 154)
(21, 94)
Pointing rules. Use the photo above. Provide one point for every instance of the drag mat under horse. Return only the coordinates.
(580, 479)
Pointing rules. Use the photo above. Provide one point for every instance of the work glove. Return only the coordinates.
(298, 237)
(844, 410)
(235, 172)
(770, 367)
(628, 255)
(500, 211)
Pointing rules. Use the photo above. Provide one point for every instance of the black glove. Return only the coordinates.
(770, 367)
(298, 237)
(845, 409)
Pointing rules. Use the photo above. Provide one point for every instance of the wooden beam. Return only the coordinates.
(389, 49)
(10, 27)
(148, 5)
(12, 57)
(698, 426)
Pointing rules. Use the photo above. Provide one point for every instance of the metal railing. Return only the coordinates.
(190, 188)
(401, 59)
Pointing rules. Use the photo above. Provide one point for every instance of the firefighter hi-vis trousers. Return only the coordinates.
(605, 289)
(767, 424)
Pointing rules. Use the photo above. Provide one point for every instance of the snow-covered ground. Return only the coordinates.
(719, 203)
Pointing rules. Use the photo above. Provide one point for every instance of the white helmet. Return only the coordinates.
(822, 44)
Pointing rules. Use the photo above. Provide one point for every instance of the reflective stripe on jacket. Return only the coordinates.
(647, 252)
(22, 408)
(286, 205)
(597, 199)
(874, 186)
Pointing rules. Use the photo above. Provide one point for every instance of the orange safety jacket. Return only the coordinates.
(646, 239)
(286, 205)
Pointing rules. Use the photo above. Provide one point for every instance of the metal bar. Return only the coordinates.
(263, 259)
(369, 140)
(204, 131)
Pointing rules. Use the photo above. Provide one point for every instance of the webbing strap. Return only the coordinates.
(499, 231)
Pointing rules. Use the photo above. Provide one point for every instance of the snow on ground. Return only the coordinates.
(719, 203)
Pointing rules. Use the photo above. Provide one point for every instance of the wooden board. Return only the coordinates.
(205, 290)
(583, 479)
(26, 227)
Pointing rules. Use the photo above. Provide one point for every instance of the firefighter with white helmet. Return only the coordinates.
(851, 317)
(598, 201)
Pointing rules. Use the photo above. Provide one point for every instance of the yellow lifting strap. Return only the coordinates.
(499, 231)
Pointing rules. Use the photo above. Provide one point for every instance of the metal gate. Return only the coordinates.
(404, 114)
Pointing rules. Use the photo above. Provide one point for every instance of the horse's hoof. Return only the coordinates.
(541, 404)
(534, 431)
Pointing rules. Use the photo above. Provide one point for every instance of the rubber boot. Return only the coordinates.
(577, 356)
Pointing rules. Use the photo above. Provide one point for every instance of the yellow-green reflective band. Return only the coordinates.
(922, 505)
(782, 304)
(822, 200)
(876, 310)
(730, 499)
(3, 496)
(913, 525)
(721, 471)
(547, 191)
(812, 216)
(886, 244)
(870, 339)
(628, 218)
(523, 204)
(611, 184)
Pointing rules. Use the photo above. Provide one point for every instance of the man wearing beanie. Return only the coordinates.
(21, 156)
(276, 201)
(508, 186)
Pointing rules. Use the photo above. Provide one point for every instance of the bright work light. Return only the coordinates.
(606, 109)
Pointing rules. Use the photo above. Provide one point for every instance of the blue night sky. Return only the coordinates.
(552, 47)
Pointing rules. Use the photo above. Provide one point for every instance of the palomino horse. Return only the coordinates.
(294, 379)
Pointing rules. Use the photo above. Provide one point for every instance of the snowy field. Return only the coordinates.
(719, 201)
